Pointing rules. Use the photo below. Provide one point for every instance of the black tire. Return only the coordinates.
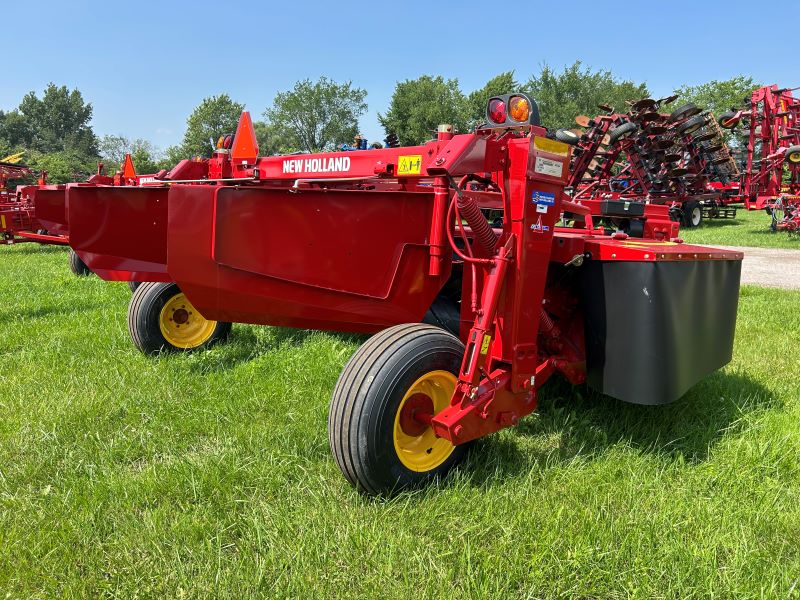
(444, 313)
(620, 132)
(684, 112)
(724, 120)
(793, 155)
(145, 315)
(692, 214)
(77, 266)
(692, 124)
(132, 285)
(567, 136)
(368, 395)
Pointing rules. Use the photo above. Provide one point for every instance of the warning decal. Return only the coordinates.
(551, 146)
(547, 166)
(409, 165)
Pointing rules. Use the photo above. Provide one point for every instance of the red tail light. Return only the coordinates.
(497, 111)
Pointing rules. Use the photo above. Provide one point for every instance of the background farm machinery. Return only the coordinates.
(769, 142)
(378, 240)
(644, 171)
(18, 220)
(38, 212)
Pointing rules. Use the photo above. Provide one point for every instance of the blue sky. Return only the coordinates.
(144, 65)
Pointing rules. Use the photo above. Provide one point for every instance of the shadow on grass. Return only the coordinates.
(248, 343)
(33, 248)
(40, 312)
(586, 424)
(720, 223)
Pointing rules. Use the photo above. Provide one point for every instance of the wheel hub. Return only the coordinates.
(415, 443)
(182, 326)
(416, 414)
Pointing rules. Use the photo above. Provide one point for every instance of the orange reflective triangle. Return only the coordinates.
(128, 172)
(245, 146)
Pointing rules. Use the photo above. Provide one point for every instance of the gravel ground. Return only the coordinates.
(770, 267)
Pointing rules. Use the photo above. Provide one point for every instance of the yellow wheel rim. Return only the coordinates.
(794, 157)
(182, 326)
(414, 441)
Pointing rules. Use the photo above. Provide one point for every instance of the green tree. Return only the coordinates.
(113, 149)
(419, 106)
(63, 166)
(215, 116)
(317, 116)
(475, 106)
(577, 91)
(274, 139)
(59, 121)
(14, 130)
(718, 96)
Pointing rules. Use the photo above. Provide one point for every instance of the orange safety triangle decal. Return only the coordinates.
(128, 171)
(245, 145)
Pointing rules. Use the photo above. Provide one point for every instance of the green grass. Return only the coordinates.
(750, 228)
(210, 474)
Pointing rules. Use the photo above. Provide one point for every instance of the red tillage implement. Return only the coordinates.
(771, 134)
(373, 240)
(640, 170)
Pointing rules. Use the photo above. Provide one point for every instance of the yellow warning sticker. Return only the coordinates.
(485, 344)
(410, 164)
(551, 146)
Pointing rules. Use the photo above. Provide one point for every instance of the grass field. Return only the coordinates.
(210, 474)
(750, 228)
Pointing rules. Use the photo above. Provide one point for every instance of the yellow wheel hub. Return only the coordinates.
(414, 441)
(181, 324)
(794, 157)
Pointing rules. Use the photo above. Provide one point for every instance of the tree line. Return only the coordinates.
(55, 131)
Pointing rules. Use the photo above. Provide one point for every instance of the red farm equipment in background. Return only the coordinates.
(644, 171)
(770, 141)
(18, 220)
(380, 240)
(41, 211)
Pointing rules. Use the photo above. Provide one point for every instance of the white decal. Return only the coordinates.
(547, 166)
(317, 165)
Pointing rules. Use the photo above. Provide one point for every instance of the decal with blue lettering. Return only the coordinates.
(544, 198)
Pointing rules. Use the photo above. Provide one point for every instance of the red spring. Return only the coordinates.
(471, 213)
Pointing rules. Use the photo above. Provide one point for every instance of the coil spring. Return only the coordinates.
(471, 213)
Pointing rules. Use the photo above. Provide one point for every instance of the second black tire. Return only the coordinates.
(692, 214)
(161, 319)
(77, 266)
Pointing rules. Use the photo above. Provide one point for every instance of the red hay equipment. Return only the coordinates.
(380, 240)
(18, 221)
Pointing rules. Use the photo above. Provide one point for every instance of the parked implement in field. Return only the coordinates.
(46, 206)
(372, 241)
(639, 170)
(18, 221)
(771, 136)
